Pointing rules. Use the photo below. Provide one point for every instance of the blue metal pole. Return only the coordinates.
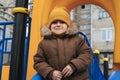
(26, 49)
(1, 54)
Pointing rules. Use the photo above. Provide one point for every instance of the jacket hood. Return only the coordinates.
(72, 30)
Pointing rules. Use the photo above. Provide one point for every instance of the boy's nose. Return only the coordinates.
(58, 23)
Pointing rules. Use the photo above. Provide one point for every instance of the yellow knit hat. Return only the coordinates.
(59, 13)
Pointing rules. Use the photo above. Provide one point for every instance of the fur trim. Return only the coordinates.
(73, 29)
(45, 31)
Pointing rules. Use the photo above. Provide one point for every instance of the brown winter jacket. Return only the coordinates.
(54, 53)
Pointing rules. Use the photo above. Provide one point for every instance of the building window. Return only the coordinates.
(85, 27)
(107, 35)
(103, 14)
(85, 16)
(85, 6)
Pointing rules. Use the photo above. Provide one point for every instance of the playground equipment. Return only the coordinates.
(40, 14)
(42, 9)
(115, 75)
(5, 48)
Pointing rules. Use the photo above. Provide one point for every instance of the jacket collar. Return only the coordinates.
(72, 30)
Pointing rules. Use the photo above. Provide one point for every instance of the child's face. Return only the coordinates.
(58, 27)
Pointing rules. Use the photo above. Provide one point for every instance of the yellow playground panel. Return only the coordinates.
(41, 10)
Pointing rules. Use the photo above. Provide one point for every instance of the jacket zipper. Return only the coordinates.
(58, 55)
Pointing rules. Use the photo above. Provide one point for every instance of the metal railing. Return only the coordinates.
(6, 42)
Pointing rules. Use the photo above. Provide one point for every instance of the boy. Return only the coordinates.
(62, 54)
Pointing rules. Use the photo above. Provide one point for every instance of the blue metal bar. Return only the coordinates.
(0, 42)
(5, 42)
(1, 54)
(26, 50)
(6, 23)
(7, 52)
(8, 38)
(9, 23)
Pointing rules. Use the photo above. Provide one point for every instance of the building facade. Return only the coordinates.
(97, 24)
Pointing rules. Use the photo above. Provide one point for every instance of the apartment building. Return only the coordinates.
(97, 24)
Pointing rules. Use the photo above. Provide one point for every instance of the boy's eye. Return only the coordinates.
(55, 22)
(62, 22)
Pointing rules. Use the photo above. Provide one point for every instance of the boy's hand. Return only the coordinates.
(56, 75)
(67, 71)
